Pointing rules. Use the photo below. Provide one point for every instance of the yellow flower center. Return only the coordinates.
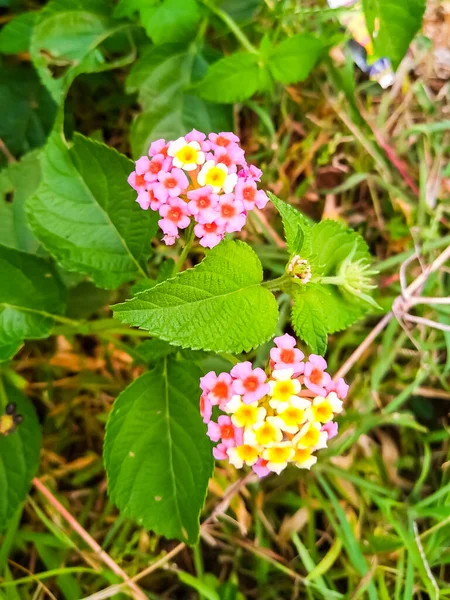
(283, 390)
(278, 454)
(266, 434)
(301, 455)
(215, 177)
(310, 438)
(293, 416)
(246, 415)
(247, 453)
(187, 155)
(322, 412)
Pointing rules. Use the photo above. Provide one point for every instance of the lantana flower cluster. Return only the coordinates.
(199, 178)
(270, 419)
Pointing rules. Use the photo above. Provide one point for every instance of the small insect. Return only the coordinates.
(10, 420)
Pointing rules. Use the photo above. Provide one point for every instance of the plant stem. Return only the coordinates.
(232, 26)
(277, 284)
(187, 246)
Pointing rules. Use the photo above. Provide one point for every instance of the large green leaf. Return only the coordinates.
(332, 242)
(170, 20)
(15, 35)
(179, 116)
(231, 79)
(157, 455)
(219, 305)
(309, 319)
(85, 213)
(293, 59)
(393, 24)
(159, 74)
(19, 455)
(66, 36)
(30, 293)
(28, 111)
(17, 183)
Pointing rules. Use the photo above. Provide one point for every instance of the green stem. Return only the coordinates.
(232, 26)
(187, 246)
(277, 284)
(332, 280)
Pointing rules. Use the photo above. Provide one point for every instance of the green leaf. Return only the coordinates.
(157, 455)
(332, 242)
(393, 25)
(154, 350)
(340, 310)
(231, 79)
(19, 181)
(219, 305)
(170, 20)
(19, 455)
(30, 293)
(297, 228)
(293, 59)
(15, 35)
(240, 10)
(159, 74)
(308, 318)
(28, 111)
(66, 36)
(180, 115)
(85, 213)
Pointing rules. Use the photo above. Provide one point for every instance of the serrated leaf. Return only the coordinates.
(28, 111)
(332, 242)
(170, 20)
(154, 350)
(180, 115)
(19, 455)
(15, 35)
(293, 59)
(393, 25)
(308, 318)
(297, 229)
(85, 213)
(219, 305)
(231, 79)
(30, 293)
(340, 309)
(157, 455)
(21, 180)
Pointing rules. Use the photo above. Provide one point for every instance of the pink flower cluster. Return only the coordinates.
(206, 180)
(275, 417)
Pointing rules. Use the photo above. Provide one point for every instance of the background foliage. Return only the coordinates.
(84, 84)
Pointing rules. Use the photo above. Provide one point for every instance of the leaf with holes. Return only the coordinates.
(157, 455)
(85, 213)
(219, 305)
(30, 293)
(19, 455)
